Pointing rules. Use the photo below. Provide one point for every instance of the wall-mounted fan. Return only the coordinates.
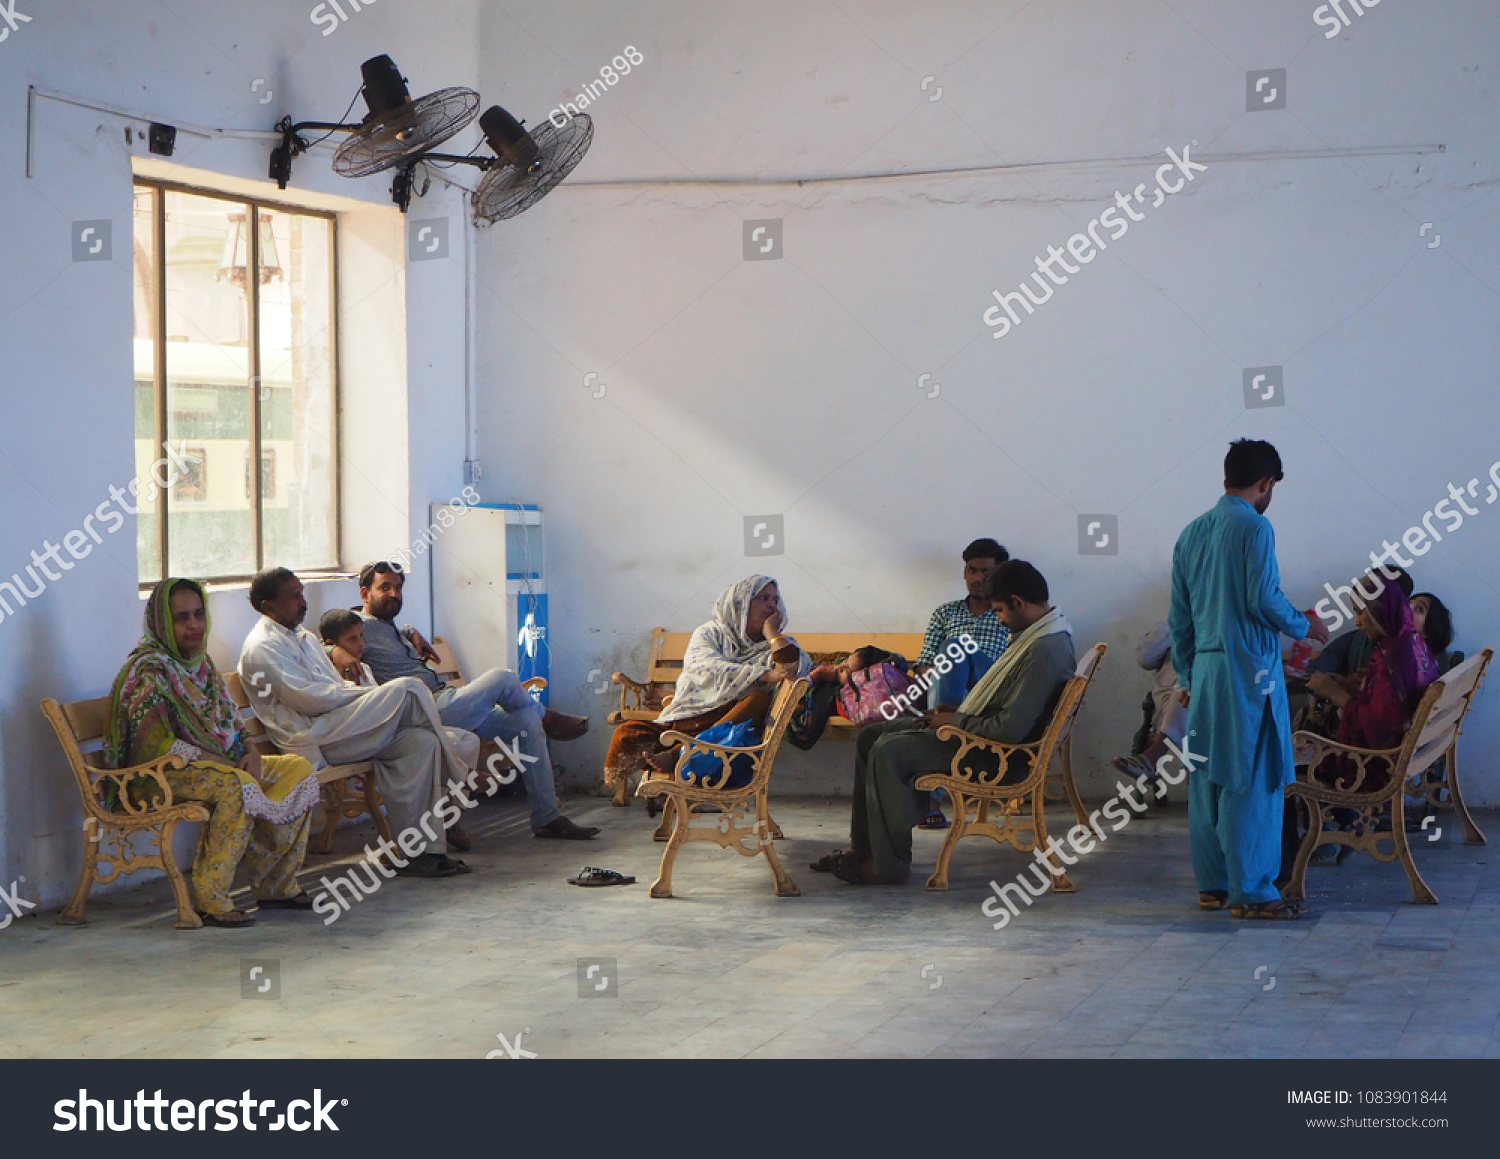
(395, 130)
(527, 165)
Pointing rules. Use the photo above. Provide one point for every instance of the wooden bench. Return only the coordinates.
(644, 700)
(1433, 733)
(84, 723)
(684, 801)
(347, 790)
(980, 787)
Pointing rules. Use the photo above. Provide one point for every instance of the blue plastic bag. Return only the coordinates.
(706, 768)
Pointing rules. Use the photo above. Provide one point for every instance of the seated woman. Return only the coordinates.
(729, 674)
(1435, 623)
(1374, 713)
(169, 698)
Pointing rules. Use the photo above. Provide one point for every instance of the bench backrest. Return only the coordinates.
(81, 725)
(447, 665)
(1070, 703)
(1436, 723)
(668, 648)
(250, 725)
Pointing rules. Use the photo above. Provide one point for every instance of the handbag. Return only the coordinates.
(706, 769)
(861, 699)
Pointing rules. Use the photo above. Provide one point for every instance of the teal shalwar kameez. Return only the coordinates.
(1227, 616)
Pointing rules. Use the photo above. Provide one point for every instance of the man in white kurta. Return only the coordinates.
(309, 710)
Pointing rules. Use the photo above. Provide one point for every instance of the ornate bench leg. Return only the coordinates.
(1420, 893)
(662, 887)
(187, 919)
(331, 795)
(374, 806)
(1472, 835)
(73, 915)
(1296, 888)
(1069, 786)
(785, 886)
(1061, 882)
(668, 815)
(938, 882)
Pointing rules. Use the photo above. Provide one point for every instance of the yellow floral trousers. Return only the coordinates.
(272, 853)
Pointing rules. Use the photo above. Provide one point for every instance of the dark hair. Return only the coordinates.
(986, 549)
(266, 585)
(1248, 462)
(1438, 630)
(368, 573)
(335, 622)
(1403, 581)
(1016, 577)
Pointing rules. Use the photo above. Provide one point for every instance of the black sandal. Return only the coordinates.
(828, 863)
(589, 876)
(431, 865)
(300, 902)
(228, 919)
(1267, 911)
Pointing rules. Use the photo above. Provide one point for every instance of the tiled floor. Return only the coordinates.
(1126, 967)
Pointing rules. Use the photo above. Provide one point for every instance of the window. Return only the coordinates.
(234, 363)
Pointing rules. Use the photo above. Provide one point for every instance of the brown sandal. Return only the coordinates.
(231, 919)
(1213, 899)
(1267, 911)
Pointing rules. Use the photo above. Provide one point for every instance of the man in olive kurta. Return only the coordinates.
(1227, 616)
(1012, 704)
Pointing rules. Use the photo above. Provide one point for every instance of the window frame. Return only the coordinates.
(251, 206)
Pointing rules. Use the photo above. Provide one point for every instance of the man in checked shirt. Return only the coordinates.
(973, 617)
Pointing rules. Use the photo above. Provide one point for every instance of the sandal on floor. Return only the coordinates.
(230, 919)
(301, 901)
(563, 828)
(432, 865)
(935, 820)
(1213, 899)
(590, 876)
(827, 863)
(1267, 911)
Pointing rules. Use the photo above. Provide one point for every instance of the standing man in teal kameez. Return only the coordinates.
(1227, 617)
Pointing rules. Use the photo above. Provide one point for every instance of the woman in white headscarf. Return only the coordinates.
(729, 674)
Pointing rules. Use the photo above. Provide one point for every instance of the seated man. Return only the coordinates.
(1168, 716)
(495, 705)
(971, 616)
(1012, 704)
(309, 711)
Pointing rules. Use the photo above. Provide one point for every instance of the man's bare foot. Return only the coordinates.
(562, 726)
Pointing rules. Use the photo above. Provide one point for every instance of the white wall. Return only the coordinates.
(745, 388)
(66, 370)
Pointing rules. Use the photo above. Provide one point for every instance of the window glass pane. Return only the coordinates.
(208, 386)
(299, 527)
(147, 541)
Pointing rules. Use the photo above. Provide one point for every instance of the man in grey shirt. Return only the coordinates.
(495, 706)
(1011, 704)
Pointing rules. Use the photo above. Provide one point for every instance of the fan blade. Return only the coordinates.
(423, 124)
(507, 190)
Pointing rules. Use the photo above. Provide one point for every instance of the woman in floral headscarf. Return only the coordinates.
(728, 676)
(169, 698)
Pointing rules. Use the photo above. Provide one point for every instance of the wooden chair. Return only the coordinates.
(85, 723)
(347, 790)
(978, 785)
(1433, 733)
(1435, 789)
(684, 800)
